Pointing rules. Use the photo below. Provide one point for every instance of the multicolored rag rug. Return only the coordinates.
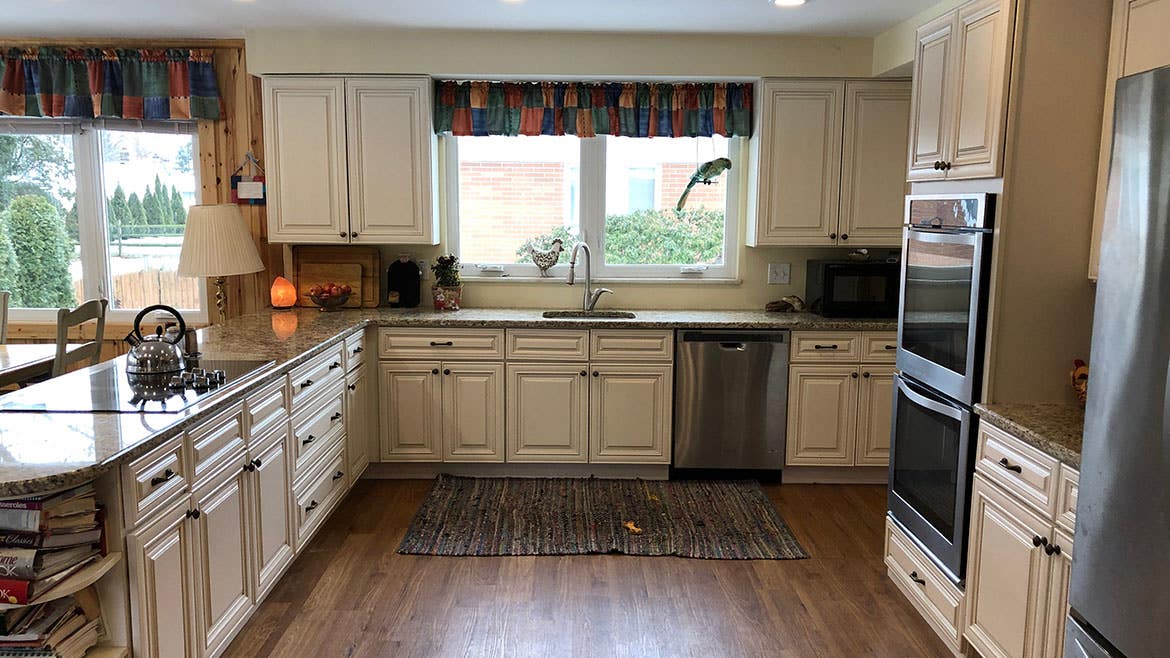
(720, 520)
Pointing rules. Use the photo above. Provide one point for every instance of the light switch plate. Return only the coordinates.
(779, 273)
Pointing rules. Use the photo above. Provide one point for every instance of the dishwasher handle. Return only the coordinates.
(734, 340)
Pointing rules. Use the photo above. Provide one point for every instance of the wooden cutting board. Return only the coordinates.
(311, 274)
(369, 259)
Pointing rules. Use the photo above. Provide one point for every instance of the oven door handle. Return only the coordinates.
(933, 405)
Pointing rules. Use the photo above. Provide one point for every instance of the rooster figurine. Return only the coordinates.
(546, 259)
(705, 174)
(1079, 378)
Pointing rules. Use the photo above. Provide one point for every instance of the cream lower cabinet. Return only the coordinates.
(221, 545)
(163, 584)
(442, 411)
(548, 412)
(630, 413)
(270, 523)
(359, 419)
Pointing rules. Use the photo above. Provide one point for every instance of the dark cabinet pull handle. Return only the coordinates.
(192, 514)
(832, 236)
(447, 343)
(338, 475)
(167, 474)
(891, 347)
(1008, 466)
(915, 578)
(1052, 549)
(309, 440)
(357, 350)
(1037, 540)
(434, 371)
(446, 371)
(584, 373)
(257, 463)
(844, 236)
(825, 347)
(312, 506)
(865, 374)
(335, 417)
(334, 365)
(853, 375)
(306, 384)
(352, 387)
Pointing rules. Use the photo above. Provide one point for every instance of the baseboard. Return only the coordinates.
(836, 475)
(424, 471)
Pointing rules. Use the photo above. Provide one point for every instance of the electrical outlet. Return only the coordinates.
(426, 271)
(779, 273)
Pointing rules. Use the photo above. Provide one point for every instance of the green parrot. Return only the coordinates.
(705, 174)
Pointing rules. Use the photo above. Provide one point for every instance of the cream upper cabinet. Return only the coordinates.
(160, 562)
(411, 411)
(875, 137)
(360, 421)
(874, 416)
(960, 92)
(630, 414)
(822, 415)
(821, 157)
(391, 163)
(473, 412)
(304, 139)
(1137, 43)
(350, 160)
(547, 412)
(1008, 574)
(221, 527)
(797, 157)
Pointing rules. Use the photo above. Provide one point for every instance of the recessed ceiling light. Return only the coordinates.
(787, 3)
(512, 2)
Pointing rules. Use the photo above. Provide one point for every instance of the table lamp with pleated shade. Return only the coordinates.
(217, 244)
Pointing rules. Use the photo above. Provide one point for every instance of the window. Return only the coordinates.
(95, 209)
(617, 194)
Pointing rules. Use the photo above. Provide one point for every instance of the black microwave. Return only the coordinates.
(853, 289)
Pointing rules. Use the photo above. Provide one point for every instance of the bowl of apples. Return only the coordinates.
(330, 296)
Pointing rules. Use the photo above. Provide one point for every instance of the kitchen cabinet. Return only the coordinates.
(547, 412)
(221, 552)
(819, 174)
(473, 412)
(271, 527)
(360, 421)
(330, 143)
(1137, 43)
(840, 410)
(163, 585)
(958, 104)
(630, 413)
(411, 410)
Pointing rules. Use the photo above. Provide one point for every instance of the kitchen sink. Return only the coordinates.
(625, 315)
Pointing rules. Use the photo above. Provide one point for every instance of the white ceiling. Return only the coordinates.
(229, 18)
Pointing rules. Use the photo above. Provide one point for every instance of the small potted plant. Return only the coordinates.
(448, 288)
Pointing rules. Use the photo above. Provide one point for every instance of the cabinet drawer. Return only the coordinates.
(318, 494)
(439, 343)
(1018, 467)
(154, 480)
(216, 440)
(266, 408)
(547, 344)
(879, 346)
(826, 346)
(306, 380)
(937, 599)
(631, 345)
(316, 429)
(355, 346)
(1067, 488)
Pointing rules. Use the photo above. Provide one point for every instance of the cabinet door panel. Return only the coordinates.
(799, 163)
(273, 547)
(630, 414)
(359, 421)
(930, 109)
(390, 160)
(160, 563)
(877, 117)
(822, 415)
(411, 411)
(222, 563)
(875, 409)
(304, 137)
(473, 412)
(548, 412)
(1007, 574)
(982, 44)
(1058, 582)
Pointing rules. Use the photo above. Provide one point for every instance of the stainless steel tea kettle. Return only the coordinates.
(155, 354)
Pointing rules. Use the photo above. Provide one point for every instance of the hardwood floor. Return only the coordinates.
(350, 594)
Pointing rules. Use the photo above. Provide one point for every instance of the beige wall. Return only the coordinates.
(893, 50)
(560, 54)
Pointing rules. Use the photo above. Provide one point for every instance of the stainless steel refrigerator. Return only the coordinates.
(1121, 566)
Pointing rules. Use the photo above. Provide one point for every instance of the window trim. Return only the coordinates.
(93, 235)
(591, 211)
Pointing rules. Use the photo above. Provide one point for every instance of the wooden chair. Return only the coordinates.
(94, 309)
(3, 317)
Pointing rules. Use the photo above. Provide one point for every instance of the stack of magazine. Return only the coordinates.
(62, 628)
(46, 539)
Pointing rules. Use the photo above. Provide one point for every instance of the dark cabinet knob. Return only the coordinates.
(938, 165)
(596, 373)
(1052, 549)
(946, 166)
(1037, 540)
(352, 387)
(249, 467)
(446, 371)
(853, 375)
(844, 236)
(167, 475)
(1008, 466)
(353, 234)
(865, 374)
(584, 373)
(832, 236)
(434, 371)
(192, 514)
(915, 578)
(257, 463)
(342, 234)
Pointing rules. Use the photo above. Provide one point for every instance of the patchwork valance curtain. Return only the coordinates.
(144, 84)
(587, 109)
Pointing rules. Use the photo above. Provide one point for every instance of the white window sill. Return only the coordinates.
(686, 281)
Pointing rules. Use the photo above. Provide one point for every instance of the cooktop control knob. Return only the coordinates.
(177, 383)
(219, 376)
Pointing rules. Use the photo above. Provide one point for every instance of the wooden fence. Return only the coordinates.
(136, 290)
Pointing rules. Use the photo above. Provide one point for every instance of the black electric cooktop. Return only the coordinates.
(108, 388)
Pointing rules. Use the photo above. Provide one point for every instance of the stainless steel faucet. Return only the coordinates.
(589, 299)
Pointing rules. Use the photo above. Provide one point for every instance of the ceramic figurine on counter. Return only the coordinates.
(786, 304)
(545, 260)
(1079, 379)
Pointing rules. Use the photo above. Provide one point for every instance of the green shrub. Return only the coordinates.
(650, 237)
(42, 252)
(8, 265)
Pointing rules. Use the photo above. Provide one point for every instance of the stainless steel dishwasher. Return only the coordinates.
(731, 399)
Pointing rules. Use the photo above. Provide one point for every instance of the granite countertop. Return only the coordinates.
(1054, 428)
(42, 452)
